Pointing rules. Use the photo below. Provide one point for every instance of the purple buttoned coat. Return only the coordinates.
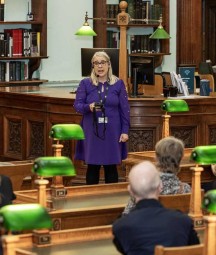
(101, 145)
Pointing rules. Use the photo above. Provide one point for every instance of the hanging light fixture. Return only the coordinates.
(86, 30)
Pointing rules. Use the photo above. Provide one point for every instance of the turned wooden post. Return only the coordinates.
(196, 200)
(165, 129)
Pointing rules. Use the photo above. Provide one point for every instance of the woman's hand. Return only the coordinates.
(123, 138)
(91, 106)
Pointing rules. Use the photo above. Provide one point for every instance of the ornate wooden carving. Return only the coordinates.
(14, 140)
(141, 140)
(36, 142)
(187, 134)
(212, 134)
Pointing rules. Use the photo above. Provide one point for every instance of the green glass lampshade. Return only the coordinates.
(20, 217)
(160, 33)
(86, 30)
(209, 201)
(204, 155)
(53, 166)
(174, 105)
(67, 132)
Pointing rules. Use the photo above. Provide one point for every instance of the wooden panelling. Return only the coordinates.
(26, 121)
(189, 32)
(209, 33)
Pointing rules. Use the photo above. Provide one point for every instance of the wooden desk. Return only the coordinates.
(84, 206)
(94, 205)
(95, 240)
(17, 171)
(28, 113)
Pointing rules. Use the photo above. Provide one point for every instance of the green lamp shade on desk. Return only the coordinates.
(175, 105)
(209, 201)
(20, 217)
(204, 155)
(53, 166)
(67, 132)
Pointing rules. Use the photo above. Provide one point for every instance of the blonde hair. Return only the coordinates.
(110, 77)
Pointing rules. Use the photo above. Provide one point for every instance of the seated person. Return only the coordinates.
(169, 153)
(150, 223)
(6, 191)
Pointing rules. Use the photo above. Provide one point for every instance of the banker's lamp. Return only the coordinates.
(22, 217)
(123, 19)
(201, 155)
(209, 204)
(52, 166)
(19, 217)
(207, 155)
(171, 105)
(60, 132)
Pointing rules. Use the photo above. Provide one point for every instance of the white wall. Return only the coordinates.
(65, 17)
(169, 63)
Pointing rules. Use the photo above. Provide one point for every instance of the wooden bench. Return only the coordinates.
(183, 250)
(17, 171)
(179, 202)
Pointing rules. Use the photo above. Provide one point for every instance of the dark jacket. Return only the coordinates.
(6, 191)
(151, 224)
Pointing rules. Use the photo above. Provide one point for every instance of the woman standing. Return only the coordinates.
(102, 100)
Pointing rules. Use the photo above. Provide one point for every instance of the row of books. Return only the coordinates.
(112, 12)
(136, 43)
(2, 10)
(19, 42)
(137, 9)
(112, 39)
(14, 71)
(142, 44)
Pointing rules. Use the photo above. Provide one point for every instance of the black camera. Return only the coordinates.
(98, 105)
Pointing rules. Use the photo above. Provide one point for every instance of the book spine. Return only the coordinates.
(15, 38)
(2, 7)
(7, 72)
(18, 71)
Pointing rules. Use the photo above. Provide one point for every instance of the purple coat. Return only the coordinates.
(95, 150)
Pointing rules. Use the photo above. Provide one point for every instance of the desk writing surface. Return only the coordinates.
(79, 197)
(97, 247)
(79, 202)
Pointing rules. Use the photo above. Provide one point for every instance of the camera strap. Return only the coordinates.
(95, 122)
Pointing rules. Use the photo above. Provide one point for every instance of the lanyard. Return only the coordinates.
(95, 124)
(105, 95)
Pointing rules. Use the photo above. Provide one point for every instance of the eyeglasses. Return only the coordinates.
(102, 63)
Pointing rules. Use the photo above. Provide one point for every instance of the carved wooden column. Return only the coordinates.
(122, 21)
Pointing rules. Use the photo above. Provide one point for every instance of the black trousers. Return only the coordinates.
(93, 174)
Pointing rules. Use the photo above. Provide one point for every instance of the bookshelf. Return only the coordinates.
(101, 28)
(143, 30)
(24, 41)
